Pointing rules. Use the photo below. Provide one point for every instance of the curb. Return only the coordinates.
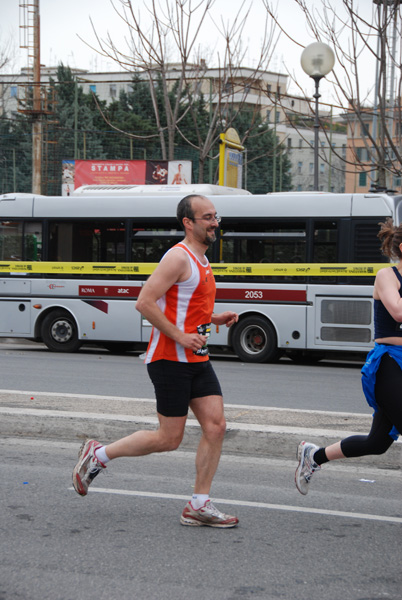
(256, 439)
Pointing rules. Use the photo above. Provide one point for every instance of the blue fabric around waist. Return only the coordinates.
(369, 372)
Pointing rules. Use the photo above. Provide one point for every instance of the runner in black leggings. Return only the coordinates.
(381, 374)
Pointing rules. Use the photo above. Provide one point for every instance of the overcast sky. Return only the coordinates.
(63, 22)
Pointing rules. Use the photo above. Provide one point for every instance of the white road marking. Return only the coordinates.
(282, 507)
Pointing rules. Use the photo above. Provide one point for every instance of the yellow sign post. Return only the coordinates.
(230, 159)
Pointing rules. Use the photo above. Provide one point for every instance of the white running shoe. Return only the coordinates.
(207, 515)
(87, 467)
(307, 466)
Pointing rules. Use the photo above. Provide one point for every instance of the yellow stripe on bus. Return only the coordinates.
(240, 269)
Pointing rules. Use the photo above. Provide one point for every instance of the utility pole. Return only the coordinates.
(37, 109)
(32, 103)
(384, 101)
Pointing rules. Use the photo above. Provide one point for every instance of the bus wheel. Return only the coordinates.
(59, 332)
(254, 340)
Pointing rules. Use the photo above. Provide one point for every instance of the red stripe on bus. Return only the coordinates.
(253, 295)
(99, 304)
(121, 291)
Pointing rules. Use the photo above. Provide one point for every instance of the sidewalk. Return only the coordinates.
(269, 432)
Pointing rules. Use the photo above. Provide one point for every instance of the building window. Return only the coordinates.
(311, 168)
(113, 90)
(300, 143)
(322, 168)
(92, 88)
(289, 143)
(277, 116)
(299, 167)
(268, 116)
(362, 179)
(343, 150)
(13, 91)
(268, 87)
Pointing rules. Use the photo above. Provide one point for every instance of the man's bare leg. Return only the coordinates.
(200, 510)
(210, 415)
(167, 437)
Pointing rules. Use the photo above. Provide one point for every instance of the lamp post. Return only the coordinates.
(317, 60)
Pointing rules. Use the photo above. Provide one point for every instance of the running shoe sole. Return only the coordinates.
(195, 523)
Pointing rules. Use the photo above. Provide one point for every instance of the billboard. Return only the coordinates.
(76, 173)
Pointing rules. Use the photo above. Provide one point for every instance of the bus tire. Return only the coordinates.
(59, 332)
(254, 340)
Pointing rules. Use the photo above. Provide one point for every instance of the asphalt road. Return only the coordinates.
(124, 540)
(327, 385)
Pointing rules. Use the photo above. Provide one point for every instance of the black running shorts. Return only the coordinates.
(177, 383)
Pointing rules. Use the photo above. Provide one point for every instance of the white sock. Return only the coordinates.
(101, 455)
(199, 500)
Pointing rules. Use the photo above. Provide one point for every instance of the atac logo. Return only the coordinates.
(53, 286)
(123, 291)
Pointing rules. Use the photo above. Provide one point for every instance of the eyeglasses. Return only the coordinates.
(208, 218)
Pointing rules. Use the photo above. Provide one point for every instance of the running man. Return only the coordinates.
(178, 299)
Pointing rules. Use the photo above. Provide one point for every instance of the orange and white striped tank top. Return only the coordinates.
(188, 304)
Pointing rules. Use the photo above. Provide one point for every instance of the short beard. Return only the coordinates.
(208, 241)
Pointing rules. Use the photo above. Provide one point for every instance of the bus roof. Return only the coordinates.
(293, 205)
(163, 190)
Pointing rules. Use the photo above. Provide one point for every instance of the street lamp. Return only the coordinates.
(317, 60)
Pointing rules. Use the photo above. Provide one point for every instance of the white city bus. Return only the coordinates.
(71, 268)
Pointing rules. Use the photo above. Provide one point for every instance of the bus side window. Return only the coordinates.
(33, 241)
(87, 241)
(11, 240)
(20, 240)
(325, 242)
(149, 245)
(276, 242)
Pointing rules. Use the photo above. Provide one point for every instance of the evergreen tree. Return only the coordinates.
(15, 154)
(75, 112)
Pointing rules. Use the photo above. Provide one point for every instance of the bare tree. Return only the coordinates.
(7, 59)
(167, 53)
(359, 43)
(231, 85)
